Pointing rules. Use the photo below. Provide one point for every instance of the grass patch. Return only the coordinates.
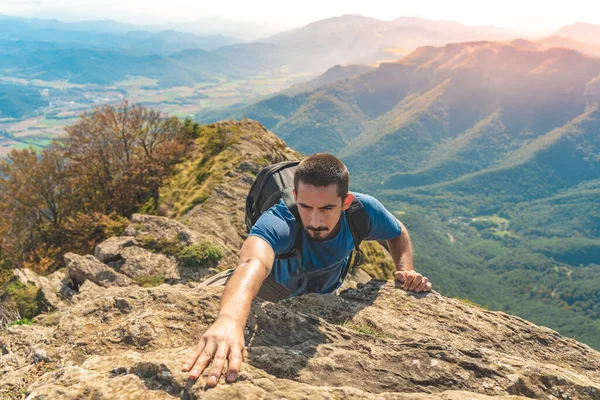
(504, 234)
(378, 264)
(22, 321)
(28, 299)
(493, 219)
(22, 146)
(150, 280)
(494, 226)
(203, 254)
(366, 328)
(200, 254)
(472, 303)
(138, 226)
(41, 142)
(49, 123)
(170, 247)
(50, 319)
(204, 169)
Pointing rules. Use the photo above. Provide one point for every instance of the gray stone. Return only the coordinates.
(82, 268)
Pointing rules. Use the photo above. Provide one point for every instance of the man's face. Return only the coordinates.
(320, 209)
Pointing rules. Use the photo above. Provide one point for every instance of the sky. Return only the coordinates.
(522, 15)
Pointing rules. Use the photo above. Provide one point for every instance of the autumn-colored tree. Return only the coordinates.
(34, 200)
(120, 155)
(78, 191)
(84, 231)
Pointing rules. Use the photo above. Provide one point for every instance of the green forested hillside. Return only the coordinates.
(19, 100)
(105, 35)
(490, 154)
(106, 66)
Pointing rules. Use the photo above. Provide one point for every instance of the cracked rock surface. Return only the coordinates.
(373, 342)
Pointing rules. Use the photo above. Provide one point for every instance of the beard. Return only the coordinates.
(318, 234)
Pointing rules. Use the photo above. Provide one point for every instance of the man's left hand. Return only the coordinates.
(411, 280)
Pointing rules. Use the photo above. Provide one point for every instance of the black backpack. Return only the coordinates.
(275, 182)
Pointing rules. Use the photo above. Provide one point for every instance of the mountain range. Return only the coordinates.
(355, 39)
(490, 153)
(105, 34)
(581, 32)
(105, 53)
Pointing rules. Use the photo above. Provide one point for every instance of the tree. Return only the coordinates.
(76, 192)
(34, 200)
(120, 155)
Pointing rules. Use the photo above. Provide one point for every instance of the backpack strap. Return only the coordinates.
(358, 223)
(296, 251)
(288, 198)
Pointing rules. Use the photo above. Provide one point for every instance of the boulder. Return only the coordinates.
(82, 268)
(126, 255)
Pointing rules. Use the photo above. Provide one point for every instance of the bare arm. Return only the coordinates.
(256, 261)
(224, 340)
(401, 251)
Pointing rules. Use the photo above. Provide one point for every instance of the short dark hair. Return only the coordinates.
(322, 169)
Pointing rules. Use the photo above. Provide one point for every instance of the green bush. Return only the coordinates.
(28, 299)
(201, 254)
(5, 275)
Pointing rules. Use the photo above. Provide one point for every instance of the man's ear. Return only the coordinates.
(295, 195)
(347, 202)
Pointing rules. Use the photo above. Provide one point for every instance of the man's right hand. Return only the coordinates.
(224, 340)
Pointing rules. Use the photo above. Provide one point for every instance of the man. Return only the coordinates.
(321, 184)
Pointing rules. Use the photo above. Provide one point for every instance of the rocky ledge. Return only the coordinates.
(372, 342)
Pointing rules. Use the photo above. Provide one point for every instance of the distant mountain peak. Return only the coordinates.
(419, 21)
(345, 18)
(525, 44)
(581, 32)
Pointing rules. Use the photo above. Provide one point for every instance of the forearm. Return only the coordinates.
(241, 289)
(401, 250)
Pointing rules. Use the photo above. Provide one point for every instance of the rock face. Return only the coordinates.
(114, 339)
(374, 342)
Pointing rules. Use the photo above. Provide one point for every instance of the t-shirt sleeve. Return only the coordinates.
(383, 224)
(277, 227)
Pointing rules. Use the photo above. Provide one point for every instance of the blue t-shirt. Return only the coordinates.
(322, 261)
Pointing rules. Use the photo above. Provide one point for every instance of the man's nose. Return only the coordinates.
(315, 219)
